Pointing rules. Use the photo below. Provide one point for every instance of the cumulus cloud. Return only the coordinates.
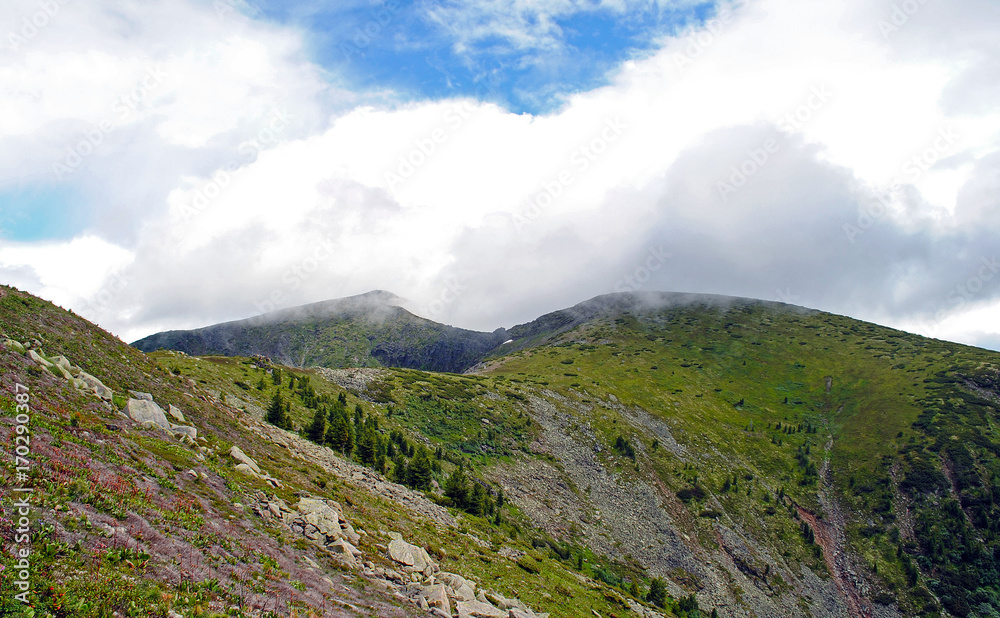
(791, 151)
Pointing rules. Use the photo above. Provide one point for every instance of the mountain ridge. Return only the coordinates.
(454, 349)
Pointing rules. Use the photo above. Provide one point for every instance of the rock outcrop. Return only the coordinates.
(61, 367)
(416, 576)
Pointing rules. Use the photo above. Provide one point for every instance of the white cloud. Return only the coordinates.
(533, 213)
(67, 273)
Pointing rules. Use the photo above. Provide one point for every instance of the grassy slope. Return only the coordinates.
(184, 545)
(695, 367)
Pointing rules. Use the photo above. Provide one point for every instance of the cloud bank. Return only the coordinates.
(838, 155)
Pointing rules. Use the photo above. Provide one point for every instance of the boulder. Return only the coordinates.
(14, 345)
(184, 430)
(140, 395)
(145, 411)
(414, 558)
(321, 515)
(63, 362)
(437, 596)
(518, 613)
(461, 588)
(342, 546)
(176, 413)
(41, 360)
(478, 609)
(342, 550)
(245, 469)
(242, 457)
(97, 386)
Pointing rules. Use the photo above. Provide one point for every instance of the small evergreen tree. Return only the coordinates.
(317, 429)
(420, 470)
(657, 593)
(457, 488)
(276, 412)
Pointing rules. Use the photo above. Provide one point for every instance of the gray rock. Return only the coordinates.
(97, 386)
(176, 413)
(145, 411)
(463, 589)
(414, 558)
(242, 457)
(437, 596)
(141, 395)
(63, 362)
(14, 345)
(325, 516)
(342, 550)
(184, 430)
(245, 469)
(41, 360)
(478, 609)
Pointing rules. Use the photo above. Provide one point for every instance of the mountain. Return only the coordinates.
(367, 330)
(637, 454)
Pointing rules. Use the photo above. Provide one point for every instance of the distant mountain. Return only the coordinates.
(359, 331)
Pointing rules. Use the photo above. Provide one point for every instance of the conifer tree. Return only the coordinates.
(317, 429)
(420, 470)
(276, 414)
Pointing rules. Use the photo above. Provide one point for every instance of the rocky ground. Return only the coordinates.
(619, 515)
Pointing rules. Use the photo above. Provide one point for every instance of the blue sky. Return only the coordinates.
(415, 49)
(39, 212)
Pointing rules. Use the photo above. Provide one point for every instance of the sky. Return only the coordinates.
(171, 164)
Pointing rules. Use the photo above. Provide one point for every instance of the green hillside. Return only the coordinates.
(369, 330)
(678, 454)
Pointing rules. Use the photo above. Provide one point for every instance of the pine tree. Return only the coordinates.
(657, 593)
(457, 488)
(276, 411)
(317, 429)
(479, 501)
(420, 470)
(399, 469)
